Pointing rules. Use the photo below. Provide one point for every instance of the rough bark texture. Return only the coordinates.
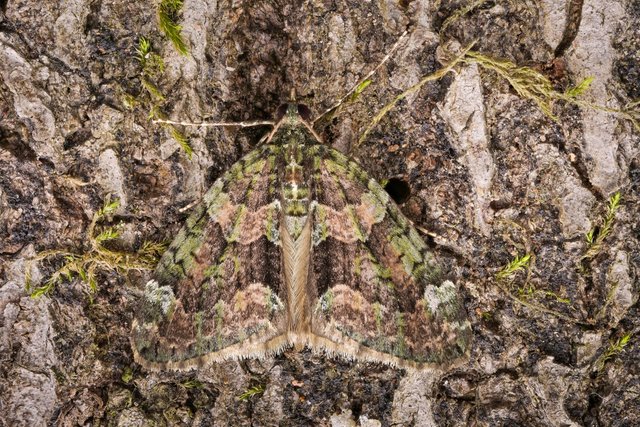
(489, 173)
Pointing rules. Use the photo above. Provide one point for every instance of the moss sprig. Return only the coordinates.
(615, 348)
(531, 84)
(168, 15)
(251, 392)
(436, 75)
(527, 82)
(152, 68)
(596, 236)
(152, 63)
(96, 258)
(519, 263)
(455, 16)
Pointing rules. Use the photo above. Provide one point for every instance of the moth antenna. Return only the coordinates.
(362, 80)
(218, 124)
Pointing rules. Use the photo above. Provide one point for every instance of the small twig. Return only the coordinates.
(189, 206)
(430, 77)
(460, 13)
(362, 80)
(218, 124)
(543, 309)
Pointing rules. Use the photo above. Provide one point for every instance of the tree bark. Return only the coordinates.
(491, 177)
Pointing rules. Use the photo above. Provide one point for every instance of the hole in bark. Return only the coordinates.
(398, 189)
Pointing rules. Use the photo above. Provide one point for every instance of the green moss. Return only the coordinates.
(129, 101)
(168, 13)
(93, 259)
(527, 82)
(615, 348)
(359, 89)
(153, 90)
(596, 236)
(127, 375)
(517, 264)
(152, 63)
(533, 85)
(459, 13)
(580, 88)
(413, 89)
(251, 392)
(192, 383)
(182, 140)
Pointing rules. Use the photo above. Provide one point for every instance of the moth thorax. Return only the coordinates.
(293, 173)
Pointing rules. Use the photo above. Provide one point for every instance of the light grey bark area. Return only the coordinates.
(491, 177)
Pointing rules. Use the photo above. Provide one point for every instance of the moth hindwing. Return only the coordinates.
(297, 246)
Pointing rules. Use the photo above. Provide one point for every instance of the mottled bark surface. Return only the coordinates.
(490, 175)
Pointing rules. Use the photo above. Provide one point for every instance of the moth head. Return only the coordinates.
(293, 113)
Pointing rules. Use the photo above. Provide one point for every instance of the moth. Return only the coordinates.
(296, 246)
